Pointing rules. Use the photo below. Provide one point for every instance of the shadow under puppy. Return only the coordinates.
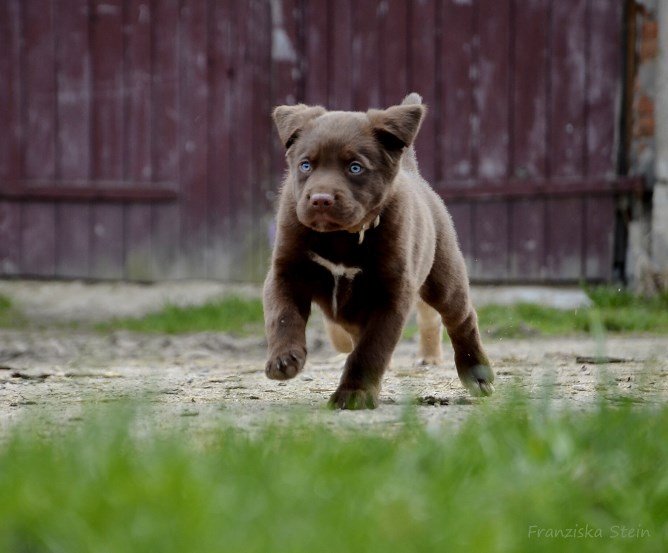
(363, 235)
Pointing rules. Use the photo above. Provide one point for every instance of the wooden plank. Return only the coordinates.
(527, 240)
(599, 221)
(341, 85)
(38, 240)
(563, 241)
(137, 139)
(137, 86)
(138, 241)
(39, 91)
(10, 139)
(261, 126)
(240, 179)
(566, 117)
(10, 234)
(492, 90)
(366, 44)
(74, 127)
(10, 90)
(108, 259)
(529, 76)
(107, 254)
(193, 145)
(316, 52)
(241, 175)
(108, 91)
(393, 53)
(603, 98)
(491, 240)
(422, 78)
(74, 240)
(528, 138)
(74, 90)
(567, 89)
(164, 92)
(38, 220)
(540, 187)
(456, 64)
(78, 190)
(222, 80)
(604, 35)
(165, 218)
(286, 75)
(490, 135)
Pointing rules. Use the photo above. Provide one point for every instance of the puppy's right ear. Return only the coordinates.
(291, 119)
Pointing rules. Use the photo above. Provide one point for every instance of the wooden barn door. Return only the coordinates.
(135, 138)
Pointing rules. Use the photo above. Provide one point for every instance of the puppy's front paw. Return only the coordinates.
(353, 399)
(478, 380)
(285, 365)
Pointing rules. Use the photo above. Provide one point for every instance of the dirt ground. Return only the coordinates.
(55, 375)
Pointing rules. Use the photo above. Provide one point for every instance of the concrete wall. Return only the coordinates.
(659, 237)
(647, 259)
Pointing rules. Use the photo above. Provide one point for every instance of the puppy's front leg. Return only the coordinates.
(287, 305)
(360, 383)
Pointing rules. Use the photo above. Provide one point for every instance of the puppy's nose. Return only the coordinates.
(322, 200)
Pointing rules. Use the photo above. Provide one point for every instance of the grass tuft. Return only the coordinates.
(9, 316)
(230, 314)
(510, 469)
(612, 310)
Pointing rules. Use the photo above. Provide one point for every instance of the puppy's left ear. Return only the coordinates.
(290, 120)
(396, 127)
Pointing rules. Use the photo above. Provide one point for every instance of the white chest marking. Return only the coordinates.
(338, 270)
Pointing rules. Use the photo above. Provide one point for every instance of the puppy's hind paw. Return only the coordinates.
(285, 366)
(429, 360)
(478, 380)
(353, 399)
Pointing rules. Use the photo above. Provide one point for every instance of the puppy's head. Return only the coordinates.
(342, 165)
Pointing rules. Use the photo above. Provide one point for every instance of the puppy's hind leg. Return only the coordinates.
(430, 328)
(447, 290)
(339, 337)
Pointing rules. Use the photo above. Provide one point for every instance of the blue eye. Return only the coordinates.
(355, 168)
(305, 166)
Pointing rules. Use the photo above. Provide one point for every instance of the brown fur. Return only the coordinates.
(365, 278)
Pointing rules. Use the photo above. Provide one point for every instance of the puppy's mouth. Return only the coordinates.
(323, 222)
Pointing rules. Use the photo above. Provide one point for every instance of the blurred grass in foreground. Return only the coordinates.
(509, 471)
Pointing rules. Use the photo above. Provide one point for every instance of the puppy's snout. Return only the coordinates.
(322, 200)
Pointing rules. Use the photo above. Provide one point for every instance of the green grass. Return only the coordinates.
(229, 314)
(612, 310)
(9, 316)
(510, 470)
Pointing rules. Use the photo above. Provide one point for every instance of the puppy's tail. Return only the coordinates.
(409, 161)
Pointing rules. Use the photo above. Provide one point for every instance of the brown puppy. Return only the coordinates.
(364, 236)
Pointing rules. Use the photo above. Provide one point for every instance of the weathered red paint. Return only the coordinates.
(139, 142)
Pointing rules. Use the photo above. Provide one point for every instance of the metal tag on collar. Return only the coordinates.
(365, 227)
